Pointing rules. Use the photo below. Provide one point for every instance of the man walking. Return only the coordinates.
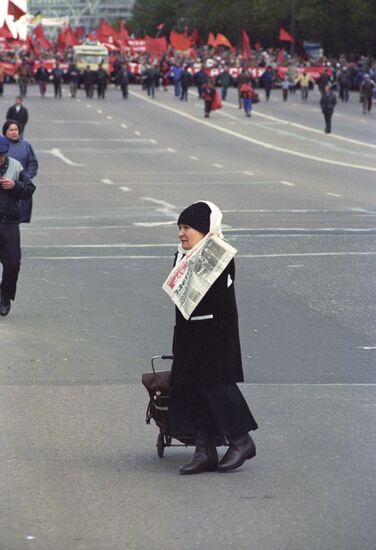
(327, 102)
(366, 93)
(14, 185)
(18, 112)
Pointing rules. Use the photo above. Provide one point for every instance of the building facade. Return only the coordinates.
(83, 12)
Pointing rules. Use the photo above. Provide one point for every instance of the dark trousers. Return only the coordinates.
(57, 88)
(218, 408)
(124, 90)
(10, 258)
(328, 122)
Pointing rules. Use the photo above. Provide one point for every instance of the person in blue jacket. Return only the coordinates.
(21, 150)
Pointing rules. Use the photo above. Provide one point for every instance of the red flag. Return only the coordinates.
(67, 38)
(221, 40)
(15, 10)
(5, 32)
(194, 37)
(281, 56)
(105, 31)
(156, 46)
(123, 35)
(179, 41)
(284, 36)
(38, 33)
(211, 40)
(246, 45)
(79, 32)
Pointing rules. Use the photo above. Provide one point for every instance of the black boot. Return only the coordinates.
(205, 457)
(242, 447)
(4, 305)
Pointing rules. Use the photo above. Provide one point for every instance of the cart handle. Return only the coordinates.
(152, 366)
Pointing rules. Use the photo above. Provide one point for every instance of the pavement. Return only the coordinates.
(79, 468)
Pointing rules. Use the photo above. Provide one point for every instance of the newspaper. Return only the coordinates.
(192, 277)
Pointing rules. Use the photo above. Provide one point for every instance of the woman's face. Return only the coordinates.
(189, 236)
(12, 132)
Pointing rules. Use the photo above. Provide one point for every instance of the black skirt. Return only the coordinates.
(219, 408)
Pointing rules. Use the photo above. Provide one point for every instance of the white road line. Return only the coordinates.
(124, 126)
(218, 165)
(58, 154)
(308, 128)
(193, 157)
(124, 188)
(154, 224)
(107, 181)
(137, 133)
(249, 173)
(109, 117)
(158, 257)
(255, 141)
(154, 141)
(99, 111)
(89, 140)
(333, 195)
(119, 245)
(157, 201)
(171, 150)
(288, 183)
(88, 105)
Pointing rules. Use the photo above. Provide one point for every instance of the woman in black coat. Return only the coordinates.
(206, 403)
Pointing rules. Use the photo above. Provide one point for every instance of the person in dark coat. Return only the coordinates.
(124, 80)
(57, 79)
(18, 112)
(22, 151)
(88, 78)
(15, 184)
(206, 402)
(327, 102)
(102, 79)
(208, 94)
(42, 77)
(186, 81)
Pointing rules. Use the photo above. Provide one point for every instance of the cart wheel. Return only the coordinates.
(160, 445)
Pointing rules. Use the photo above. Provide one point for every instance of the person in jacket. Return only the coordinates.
(267, 80)
(344, 84)
(247, 92)
(225, 81)
(24, 77)
(102, 79)
(2, 79)
(201, 79)
(88, 79)
(176, 72)
(57, 79)
(366, 93)
(42, 77)
(18, 112)
(15, 184)
(21, 150)
(304, 80)
(73, 76)
(208, 94)
(328, 102)
(186, 81)
(206, 402)
(124, 80)
(243, 77)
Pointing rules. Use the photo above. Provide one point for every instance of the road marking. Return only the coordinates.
(193, 157)
(107, 181)
(255, 141)
(99, 111)
(171, 150)
(89, 140)
(218, 165)
(309, 128)
(137, 133)
(78, 100)
(109, 117)
(58, 154)
(288, 183)
(124, 188)
(158, 257)
(88, 105)
(154, 224)
(157, 201)
(124, 126)
(333, 195)
(249, 173)
(153, 141)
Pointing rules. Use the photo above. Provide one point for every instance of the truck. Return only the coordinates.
(90, 55)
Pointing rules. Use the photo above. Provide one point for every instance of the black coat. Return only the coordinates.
(208, 351)
(21, 115)
(328, 102)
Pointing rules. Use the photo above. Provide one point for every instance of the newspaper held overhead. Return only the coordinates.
(192, 277)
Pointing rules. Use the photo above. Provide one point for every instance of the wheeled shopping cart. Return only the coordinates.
(158, 386)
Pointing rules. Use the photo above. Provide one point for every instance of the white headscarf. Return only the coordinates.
(214, 227)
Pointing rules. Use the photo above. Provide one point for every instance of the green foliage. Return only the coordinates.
(342, 26)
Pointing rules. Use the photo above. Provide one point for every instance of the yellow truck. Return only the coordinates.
(90, 55)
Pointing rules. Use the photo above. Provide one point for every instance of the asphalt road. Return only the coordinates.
(78, 466)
